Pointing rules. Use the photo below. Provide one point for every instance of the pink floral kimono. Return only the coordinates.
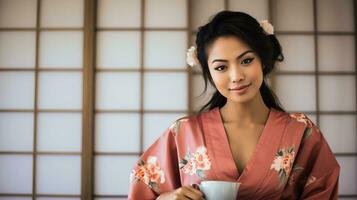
(292, 160)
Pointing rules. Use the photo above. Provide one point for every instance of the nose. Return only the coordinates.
(237, 74)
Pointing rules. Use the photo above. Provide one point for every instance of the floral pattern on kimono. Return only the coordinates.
(314, 175)
(283, 163)
(149, 173)
(196, 163)
(157, 169)
(284, 158)
(301, 117)
(297, 168)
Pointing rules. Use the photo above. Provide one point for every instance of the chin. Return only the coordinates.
(240, 100)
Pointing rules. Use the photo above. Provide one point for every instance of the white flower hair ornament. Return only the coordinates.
(191, 57)
(267, 27)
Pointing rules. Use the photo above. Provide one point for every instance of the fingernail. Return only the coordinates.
(194, 185)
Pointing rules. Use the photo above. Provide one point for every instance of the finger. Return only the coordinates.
(197, 187)
(194, 185)
(184, 194)
(181, 197)
(195, 190)
(192, 193)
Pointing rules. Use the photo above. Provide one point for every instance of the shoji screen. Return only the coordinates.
(141, 83)
(41, 45)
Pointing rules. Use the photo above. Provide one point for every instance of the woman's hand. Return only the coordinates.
(182, 193)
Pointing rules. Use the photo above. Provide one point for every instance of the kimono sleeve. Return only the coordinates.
(322, 180)
(157, 170)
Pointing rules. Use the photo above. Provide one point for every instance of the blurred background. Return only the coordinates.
(87, 85)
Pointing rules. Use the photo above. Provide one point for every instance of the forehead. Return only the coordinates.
(225, 47)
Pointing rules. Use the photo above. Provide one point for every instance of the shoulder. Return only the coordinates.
(189, 121)
(302, 118)
(180, 122)
(312, 132)
(313, 141)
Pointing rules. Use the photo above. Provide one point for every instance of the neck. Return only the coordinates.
(247, 113)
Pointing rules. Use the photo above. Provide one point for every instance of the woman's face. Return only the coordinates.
(235, 68)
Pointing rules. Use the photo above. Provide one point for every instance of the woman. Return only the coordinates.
(242, 134)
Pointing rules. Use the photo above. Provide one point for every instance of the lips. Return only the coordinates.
(240, 87)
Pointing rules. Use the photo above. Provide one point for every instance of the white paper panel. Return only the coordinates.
(336, 53)
(256, 8)
(337, 93)
(202, 10)
(16, 174)
(16, 131)
(17, 90)
(123, 13)
(15, 198)
(165, 91)
(117, 132)
(17, 49)
(112, 174)
(296, 92)
(18, 13)
(58, 174)
(330, 14)
(118, 49)
(118, 90)
(61, 49)
(165, 49)
(290, 15)
(155, 125)
(340, 132)
(348, 176)
(347, 198)
(59, 132)
(166, 13)
(198, 86)
(62, 13)
(60, 90)
(299, 53)
(192, 39)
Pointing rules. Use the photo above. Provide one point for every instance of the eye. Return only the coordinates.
(220, 68)
(247, 61)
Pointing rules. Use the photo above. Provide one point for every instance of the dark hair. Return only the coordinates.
(246, 28)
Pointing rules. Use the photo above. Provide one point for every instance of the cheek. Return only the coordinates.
(220, 80)
(256, 75)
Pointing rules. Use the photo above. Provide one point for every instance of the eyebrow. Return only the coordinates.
(241, 55)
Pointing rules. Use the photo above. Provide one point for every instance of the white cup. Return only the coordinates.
(223, 190)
